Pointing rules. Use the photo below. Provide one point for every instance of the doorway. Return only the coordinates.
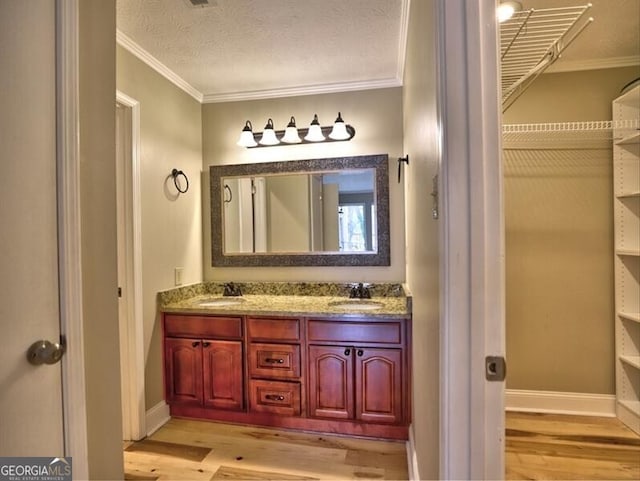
(130, 267)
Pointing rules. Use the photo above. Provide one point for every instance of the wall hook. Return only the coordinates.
(400, 161)
(175, 173)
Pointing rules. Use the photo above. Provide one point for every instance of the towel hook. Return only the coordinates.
(177, 173)
(400, 161)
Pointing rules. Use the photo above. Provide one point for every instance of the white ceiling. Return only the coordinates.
(243, 49)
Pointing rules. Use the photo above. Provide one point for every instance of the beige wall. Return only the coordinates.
(420, 142)
(98, 195)
(377, 118)
(170, 137)
(559, 242)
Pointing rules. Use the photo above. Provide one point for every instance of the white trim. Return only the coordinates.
(128, 44)
(69, 236)
(132, 353)
(306, 90)
(157, 416)
(584, 404)
(593, 64)
(471, 240)
(412, 457)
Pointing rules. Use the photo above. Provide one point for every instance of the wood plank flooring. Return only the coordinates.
(538, 446)
(199, 450)
(553, 446)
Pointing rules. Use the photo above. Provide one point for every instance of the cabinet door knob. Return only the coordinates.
(206, 344)
(195, 344)
(360, 352)
(347, 352)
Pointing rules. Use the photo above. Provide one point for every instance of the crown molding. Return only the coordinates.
(128, 44)
(299, 91)
(594, 64)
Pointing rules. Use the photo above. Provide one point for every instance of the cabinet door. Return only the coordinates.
(331, 382)
(183, 370)
(223, 374)
(378, 374)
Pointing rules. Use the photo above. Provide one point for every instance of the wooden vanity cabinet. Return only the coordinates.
(275, 367)
(204, 362)
(357, 370)
(340, 375)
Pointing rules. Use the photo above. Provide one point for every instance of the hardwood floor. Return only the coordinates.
(538, 446)
(553, 446)
(199, 450)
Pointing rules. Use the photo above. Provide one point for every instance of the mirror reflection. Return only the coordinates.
(322, 212)
(332, 212)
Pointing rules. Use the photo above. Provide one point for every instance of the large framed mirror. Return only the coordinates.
(317, 212)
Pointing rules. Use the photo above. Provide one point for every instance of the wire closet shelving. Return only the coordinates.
(581, 134)
(532, 40)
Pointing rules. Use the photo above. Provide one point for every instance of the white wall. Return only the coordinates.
(170, 137)
(377, 118)
(98, 208)
(421, 143)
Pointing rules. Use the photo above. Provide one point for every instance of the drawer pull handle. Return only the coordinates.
(274, 397)
(272, 360)
(195, 344)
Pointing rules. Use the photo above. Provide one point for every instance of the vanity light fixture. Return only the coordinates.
(315, 131)
(291, 135)
(340, 131)
(246, 136)
(506, 10)
(269, 135)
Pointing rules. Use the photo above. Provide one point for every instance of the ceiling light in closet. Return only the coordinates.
(506, 10)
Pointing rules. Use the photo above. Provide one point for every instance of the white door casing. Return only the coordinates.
(472, 245)
(130, 266)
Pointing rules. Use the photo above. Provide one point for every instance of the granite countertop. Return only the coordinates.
(276, 299)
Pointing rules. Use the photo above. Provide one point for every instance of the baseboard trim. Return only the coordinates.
(156, 417)
(584, 404)
(412, 460)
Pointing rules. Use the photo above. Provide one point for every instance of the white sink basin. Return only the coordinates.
(220, 301)
(357, 305)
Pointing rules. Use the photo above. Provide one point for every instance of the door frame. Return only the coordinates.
(131, 328)
(472, 241)
(69, 235)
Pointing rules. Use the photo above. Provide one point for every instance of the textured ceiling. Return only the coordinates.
(240, 49)
(260, 46)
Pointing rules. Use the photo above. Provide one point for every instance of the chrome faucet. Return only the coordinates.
(360, 291)
(230, 289)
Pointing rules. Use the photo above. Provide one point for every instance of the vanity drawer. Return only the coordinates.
(274, 360)
(275, 397)
(357, 332)
(202, 326)
(281, 330)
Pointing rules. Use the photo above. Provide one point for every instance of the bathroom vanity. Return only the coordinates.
(320, 362)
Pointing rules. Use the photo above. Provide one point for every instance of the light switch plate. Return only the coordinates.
(177, 272)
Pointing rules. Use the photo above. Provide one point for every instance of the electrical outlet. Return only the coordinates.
(177, 272)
